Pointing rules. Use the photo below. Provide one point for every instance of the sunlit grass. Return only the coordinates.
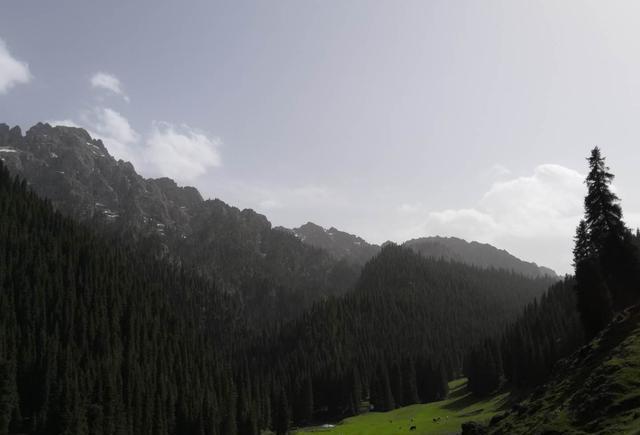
(448, 414)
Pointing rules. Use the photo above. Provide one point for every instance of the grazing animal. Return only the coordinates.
(412, 428)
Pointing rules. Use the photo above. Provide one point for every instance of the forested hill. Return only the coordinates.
(477, 254)
(398, 337)
(275, 274)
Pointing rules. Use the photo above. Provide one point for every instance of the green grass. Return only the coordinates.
(596, 390)
(459, 407)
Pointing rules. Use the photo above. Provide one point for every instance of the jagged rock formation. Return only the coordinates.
(275, 274)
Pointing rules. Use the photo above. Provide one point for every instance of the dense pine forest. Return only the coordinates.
(99, 336)
(525, 353)
(399, 336)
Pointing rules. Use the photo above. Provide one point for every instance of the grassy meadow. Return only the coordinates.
(448, 414)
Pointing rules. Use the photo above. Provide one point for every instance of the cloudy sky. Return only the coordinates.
(388, 119)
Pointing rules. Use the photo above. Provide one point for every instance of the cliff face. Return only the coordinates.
(81, 178)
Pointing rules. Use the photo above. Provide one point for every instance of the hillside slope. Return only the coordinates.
(596, 390)
(402, 332)
(477, 254)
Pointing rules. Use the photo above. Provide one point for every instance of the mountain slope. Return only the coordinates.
(596, 390)
(338, 243)
(475, 253)
(402, 332)
(97, 336)
(275, 273)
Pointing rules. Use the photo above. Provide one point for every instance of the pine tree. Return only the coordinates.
(282, 414)
(381, 395)
(583, 248)
(603, 214)
(7, 394)
(593, 297)
(410, 393)
(305, 401)
(605, 255)
(356, 391)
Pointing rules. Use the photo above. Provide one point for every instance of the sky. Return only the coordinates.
(391, 120)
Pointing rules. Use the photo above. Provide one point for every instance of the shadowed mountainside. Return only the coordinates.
(274, 272)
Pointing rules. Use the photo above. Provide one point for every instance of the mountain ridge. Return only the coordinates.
(475, 253)
(275, 273)
(343, 245)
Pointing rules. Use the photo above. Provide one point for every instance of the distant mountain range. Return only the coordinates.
(356, 250)
(477, 254)
(239, 248)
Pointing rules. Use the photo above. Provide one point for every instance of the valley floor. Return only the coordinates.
(443, 417)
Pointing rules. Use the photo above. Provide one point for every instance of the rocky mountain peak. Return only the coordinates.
(338, 243)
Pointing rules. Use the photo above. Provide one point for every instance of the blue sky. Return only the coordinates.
(387, 119)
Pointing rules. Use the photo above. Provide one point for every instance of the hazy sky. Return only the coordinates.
(388, 119)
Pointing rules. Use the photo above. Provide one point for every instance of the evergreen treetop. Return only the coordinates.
(603, 214)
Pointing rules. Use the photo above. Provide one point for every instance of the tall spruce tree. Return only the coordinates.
(603, 214)
(605, 256)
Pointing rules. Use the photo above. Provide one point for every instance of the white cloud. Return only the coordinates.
(115, 131)
(63, 123)
(109, 82)
(12, 71)
(181, 152)
(533, 217)
(112, 128)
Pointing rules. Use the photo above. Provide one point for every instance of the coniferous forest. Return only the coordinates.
(99, 337)
(105, 333)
